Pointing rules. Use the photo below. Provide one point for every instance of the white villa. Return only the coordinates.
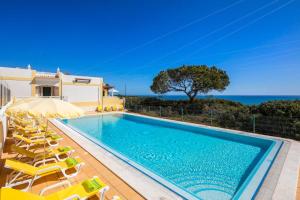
(84, 91)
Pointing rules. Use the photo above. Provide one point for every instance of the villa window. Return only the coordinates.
(82, 80)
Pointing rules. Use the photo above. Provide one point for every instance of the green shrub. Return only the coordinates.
(280, 118)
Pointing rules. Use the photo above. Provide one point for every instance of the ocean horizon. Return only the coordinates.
(244, 99)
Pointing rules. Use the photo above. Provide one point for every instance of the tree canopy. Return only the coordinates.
(192, 80)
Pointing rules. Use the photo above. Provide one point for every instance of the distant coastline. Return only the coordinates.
(244, 99)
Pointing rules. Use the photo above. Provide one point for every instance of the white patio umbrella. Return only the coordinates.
(112, 91)
(47, 108)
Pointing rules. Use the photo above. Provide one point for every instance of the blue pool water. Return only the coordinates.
(206, 163)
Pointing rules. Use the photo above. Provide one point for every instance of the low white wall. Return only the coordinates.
(3, 120)
(112, 101)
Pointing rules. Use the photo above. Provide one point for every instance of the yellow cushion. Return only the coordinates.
(9, 193)
(19, 166)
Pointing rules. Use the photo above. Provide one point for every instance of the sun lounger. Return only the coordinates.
(38, 133)
(82, 190)
(33, 156)
(52, 141)
(114, 108)
(38, 170)
(120, 107)
(99, 108)
(108, 108)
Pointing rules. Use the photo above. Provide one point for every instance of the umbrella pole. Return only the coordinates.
(45, 140)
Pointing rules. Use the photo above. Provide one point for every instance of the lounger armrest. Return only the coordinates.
(37, 137)
(50, 187)
(44, 161)
(102, 192)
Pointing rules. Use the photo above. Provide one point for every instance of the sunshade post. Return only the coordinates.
(45, 131)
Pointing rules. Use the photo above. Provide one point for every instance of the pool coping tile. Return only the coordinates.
(279, 180)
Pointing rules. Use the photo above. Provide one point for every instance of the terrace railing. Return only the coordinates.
(288, 127)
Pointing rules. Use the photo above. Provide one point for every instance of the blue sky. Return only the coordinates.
(127, 42)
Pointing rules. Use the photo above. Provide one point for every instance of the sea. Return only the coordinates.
(244, 99)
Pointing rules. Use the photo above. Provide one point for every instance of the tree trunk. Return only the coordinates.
(191, 97)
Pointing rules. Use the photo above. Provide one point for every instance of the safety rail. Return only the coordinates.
(282, 126)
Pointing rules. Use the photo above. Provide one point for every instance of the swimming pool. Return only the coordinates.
(193, 161)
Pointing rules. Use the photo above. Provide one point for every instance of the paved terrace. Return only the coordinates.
(91, 168)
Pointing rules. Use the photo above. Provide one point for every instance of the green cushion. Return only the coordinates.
(91, 185)
(64, 149)
(55, 137)
(88, 186)
(71, 162)
(96, 183)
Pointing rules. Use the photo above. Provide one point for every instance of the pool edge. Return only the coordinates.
(278, 142)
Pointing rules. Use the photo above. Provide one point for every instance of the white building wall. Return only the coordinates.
(81, 92)
(18, 80)
(74, 93)
(19, 88)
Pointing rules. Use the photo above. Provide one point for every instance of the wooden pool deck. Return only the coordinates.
(91, 168)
